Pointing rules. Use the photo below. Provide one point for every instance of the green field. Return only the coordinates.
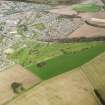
(37, 52)
(66, 62)
(47, 60)
(87, 7)
(95, 71)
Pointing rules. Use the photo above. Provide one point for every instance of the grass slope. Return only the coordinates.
(66, 62)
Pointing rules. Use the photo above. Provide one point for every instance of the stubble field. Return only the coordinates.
(15, 74)
(70, 88)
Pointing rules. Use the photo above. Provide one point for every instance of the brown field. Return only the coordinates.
(15, 74)
(95, 71)
(88, 32)
(71, 88)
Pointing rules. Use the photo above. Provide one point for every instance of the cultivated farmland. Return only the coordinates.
(15, 74)
(77, 86)
(93, 16)
(66, 89)
(95, 71)
(36, 52)
(87, 7)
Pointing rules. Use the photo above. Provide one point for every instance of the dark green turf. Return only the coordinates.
(66, 62)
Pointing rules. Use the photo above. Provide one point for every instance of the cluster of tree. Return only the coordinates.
(41, 64)
(17, 87)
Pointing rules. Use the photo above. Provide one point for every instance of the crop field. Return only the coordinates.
(65, 62)
(69, 85)
(95, 71)
(88, 31)
(15, 74)
(54, 91)
(34, 52)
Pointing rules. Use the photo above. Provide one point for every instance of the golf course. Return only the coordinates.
(65, 62)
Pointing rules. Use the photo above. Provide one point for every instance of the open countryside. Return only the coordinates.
(68, 85)
(65, 62)
(52, 52)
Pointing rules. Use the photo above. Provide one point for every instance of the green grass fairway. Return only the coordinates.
(87, 7)
(66, 62)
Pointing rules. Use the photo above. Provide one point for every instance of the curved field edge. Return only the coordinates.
(66, 62)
